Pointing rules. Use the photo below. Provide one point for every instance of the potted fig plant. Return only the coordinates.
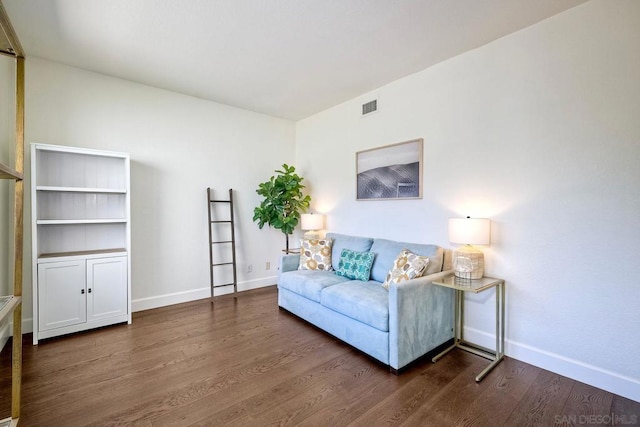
(283, 202)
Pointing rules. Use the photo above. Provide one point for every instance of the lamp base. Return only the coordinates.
(468, 262)
(311, 235)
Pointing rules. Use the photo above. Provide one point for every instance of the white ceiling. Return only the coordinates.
(285, 58)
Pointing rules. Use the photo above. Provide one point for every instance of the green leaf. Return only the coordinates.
(283, 200)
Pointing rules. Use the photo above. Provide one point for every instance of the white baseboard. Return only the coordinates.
(195, 294)
(574, 369)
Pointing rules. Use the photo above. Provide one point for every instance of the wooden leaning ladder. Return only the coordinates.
(213, 263)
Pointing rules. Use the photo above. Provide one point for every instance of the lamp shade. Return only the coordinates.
(312, 221)
(470, 231)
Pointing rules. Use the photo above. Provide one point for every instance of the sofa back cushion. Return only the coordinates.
(387, 250)
(343, 241)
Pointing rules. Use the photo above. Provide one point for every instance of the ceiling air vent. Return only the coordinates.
(370, 107)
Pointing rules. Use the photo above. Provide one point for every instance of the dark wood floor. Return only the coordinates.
(244, 362)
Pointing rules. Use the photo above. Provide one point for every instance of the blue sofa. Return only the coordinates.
(395, 326)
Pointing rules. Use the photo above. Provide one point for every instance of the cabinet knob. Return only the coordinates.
(89, 290)
(82, 291)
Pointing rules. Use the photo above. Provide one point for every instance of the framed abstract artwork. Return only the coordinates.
(390, 172)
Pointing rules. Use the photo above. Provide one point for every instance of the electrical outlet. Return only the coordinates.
(249, 268)
(268, 266)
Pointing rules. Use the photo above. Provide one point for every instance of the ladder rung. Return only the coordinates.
(215, 222)
(220, 286)
(222, 241)
(222, 263)
(219, 201)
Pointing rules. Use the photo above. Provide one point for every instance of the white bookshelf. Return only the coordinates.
(81, 239)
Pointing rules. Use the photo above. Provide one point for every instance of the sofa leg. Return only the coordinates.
(394, 371)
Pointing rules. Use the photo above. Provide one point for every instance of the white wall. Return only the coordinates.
(179, 146)
(539, 131)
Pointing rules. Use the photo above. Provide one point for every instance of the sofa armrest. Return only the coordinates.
(420, 318)
(289, 262)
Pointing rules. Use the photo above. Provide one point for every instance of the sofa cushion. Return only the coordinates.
(367, 302)
(355, 265)
(309, 283)
(387, 250)
(342, 241)
(315, 254)
(406, 266)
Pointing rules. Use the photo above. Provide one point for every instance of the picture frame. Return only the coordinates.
(390, 172)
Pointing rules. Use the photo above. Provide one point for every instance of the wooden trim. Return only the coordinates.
(20, 93)
(18, 220)
(19, 189)
(9, 34)
(16, 366)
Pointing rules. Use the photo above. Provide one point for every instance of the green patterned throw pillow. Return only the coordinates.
(355, 265)
(315, 254)
(406, 266)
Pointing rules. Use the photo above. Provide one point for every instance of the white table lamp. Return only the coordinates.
(468, 261)
(313, 223)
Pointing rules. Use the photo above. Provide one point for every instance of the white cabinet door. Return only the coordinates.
(61, 294)
(106, 287)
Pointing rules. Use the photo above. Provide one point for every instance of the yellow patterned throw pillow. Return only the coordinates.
(407, 266)
(315, 254)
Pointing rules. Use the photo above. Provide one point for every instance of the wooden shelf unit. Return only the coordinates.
(11, 305)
